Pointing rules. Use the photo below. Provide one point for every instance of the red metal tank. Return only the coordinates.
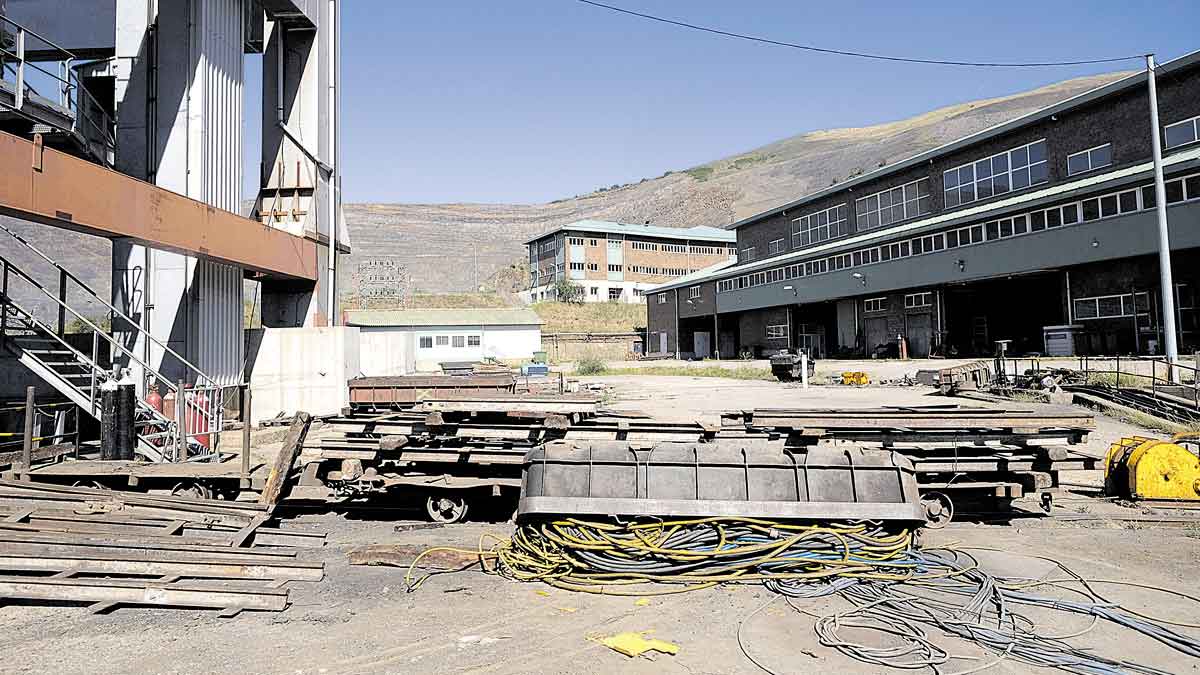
(196, 417)
(154, 400)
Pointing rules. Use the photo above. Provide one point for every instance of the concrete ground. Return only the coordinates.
(361, 620)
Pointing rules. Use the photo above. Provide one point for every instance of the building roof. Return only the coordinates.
(1180, 160)
(499, 316)
(698, 233)
(698, 275)
(1089, 96)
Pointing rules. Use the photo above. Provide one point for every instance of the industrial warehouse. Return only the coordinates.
(281, 392)
(1039, 232)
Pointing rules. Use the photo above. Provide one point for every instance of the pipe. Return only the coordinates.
(335, 192)
(1164, 241)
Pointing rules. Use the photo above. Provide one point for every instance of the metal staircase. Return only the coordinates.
(49, 354)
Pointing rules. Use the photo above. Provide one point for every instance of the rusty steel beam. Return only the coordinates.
(57, 189)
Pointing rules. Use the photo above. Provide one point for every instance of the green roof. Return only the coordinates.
(698, 233)
(442, 317)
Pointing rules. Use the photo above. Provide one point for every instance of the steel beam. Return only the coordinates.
(54, 188)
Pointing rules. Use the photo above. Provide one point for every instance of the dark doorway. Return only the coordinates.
(1014, 308)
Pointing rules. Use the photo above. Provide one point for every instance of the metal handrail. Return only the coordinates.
(69, 275)
(88, 322)
(87, 362)
(71, 87)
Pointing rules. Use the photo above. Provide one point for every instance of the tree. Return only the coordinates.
(568, 291)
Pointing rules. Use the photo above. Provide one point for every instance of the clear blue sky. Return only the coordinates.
(531, 100)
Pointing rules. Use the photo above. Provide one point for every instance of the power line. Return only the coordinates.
(861, 55)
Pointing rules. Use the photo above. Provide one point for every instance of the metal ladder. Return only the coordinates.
(46, 351)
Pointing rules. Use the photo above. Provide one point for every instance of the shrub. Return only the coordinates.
(568, 291)
(590, 365)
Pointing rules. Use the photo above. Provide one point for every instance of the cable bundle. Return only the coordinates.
(893, 587)
(597, 556)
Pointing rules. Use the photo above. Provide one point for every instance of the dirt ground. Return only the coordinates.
(361, 619)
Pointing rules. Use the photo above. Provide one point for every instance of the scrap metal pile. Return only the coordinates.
(106, 548)
(457, 447)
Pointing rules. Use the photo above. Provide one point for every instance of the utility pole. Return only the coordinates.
(1164, 239)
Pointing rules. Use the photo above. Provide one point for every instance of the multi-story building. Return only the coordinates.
(1041, 231)
(618, 262)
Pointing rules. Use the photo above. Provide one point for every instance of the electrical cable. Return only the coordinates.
(894, 588)
(861, 55)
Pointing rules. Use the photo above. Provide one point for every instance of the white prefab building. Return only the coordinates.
(400, 342)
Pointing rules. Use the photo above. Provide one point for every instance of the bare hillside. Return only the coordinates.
(447, 248)
(455, 248)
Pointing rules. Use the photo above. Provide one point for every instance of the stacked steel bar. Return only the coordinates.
(104, 548)
(973, 452)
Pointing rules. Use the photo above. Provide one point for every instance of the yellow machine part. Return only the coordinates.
(855, 378)
(1149, 468)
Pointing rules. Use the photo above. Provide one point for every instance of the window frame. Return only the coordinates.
(1007, 172)
(872, 205)
(1088, 154)
(875, 304)
(1194, 122)
(776, 331)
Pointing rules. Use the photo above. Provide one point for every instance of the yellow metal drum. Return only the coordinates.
(1149, 468)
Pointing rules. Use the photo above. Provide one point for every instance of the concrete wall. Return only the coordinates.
(386, 351)
(305, 369)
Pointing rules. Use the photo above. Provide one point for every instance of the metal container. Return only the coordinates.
(734, 478)
(405, 391)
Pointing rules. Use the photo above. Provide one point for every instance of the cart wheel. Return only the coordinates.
(446, 508)
(94, 484)
(192, 489)
(939, 510)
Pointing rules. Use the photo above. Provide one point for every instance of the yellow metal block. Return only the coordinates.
(855, 378)
(1148, 468)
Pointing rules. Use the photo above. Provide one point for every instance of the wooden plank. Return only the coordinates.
(200, 569)
(43, 453)
(126, 551)
(282, 466)
(126, 592)
(244, 534)
(174, 543)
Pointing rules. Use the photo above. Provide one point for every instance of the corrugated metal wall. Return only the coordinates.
(216, 288)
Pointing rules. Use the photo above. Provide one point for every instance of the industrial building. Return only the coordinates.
(1040, 231)
(123, 119)
(617, 262)
(406, 341)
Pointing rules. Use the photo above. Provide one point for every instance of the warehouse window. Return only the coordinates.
(1014, 169)
(662, 298)
(577, 266)
(1182, 133)
(426, 342)
(614, 294)
(460, 341)
(473, 340)
(875, 304)
(593, 291)
(1087, 160)
(775, 246)
(777, 332)
(917, 300)
(614, 268)
(694, 292)
(593, 267)
(748, 254)
(1112, 306)
(575, 241)
(820, 226)
(894, 205)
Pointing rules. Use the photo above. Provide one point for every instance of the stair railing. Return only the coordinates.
(65, 277)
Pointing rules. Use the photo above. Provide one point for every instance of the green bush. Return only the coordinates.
(590, 365)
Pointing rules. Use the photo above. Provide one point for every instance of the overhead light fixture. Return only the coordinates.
(791, 288)
(962, 265)
(1095, 243)
(862, 279)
